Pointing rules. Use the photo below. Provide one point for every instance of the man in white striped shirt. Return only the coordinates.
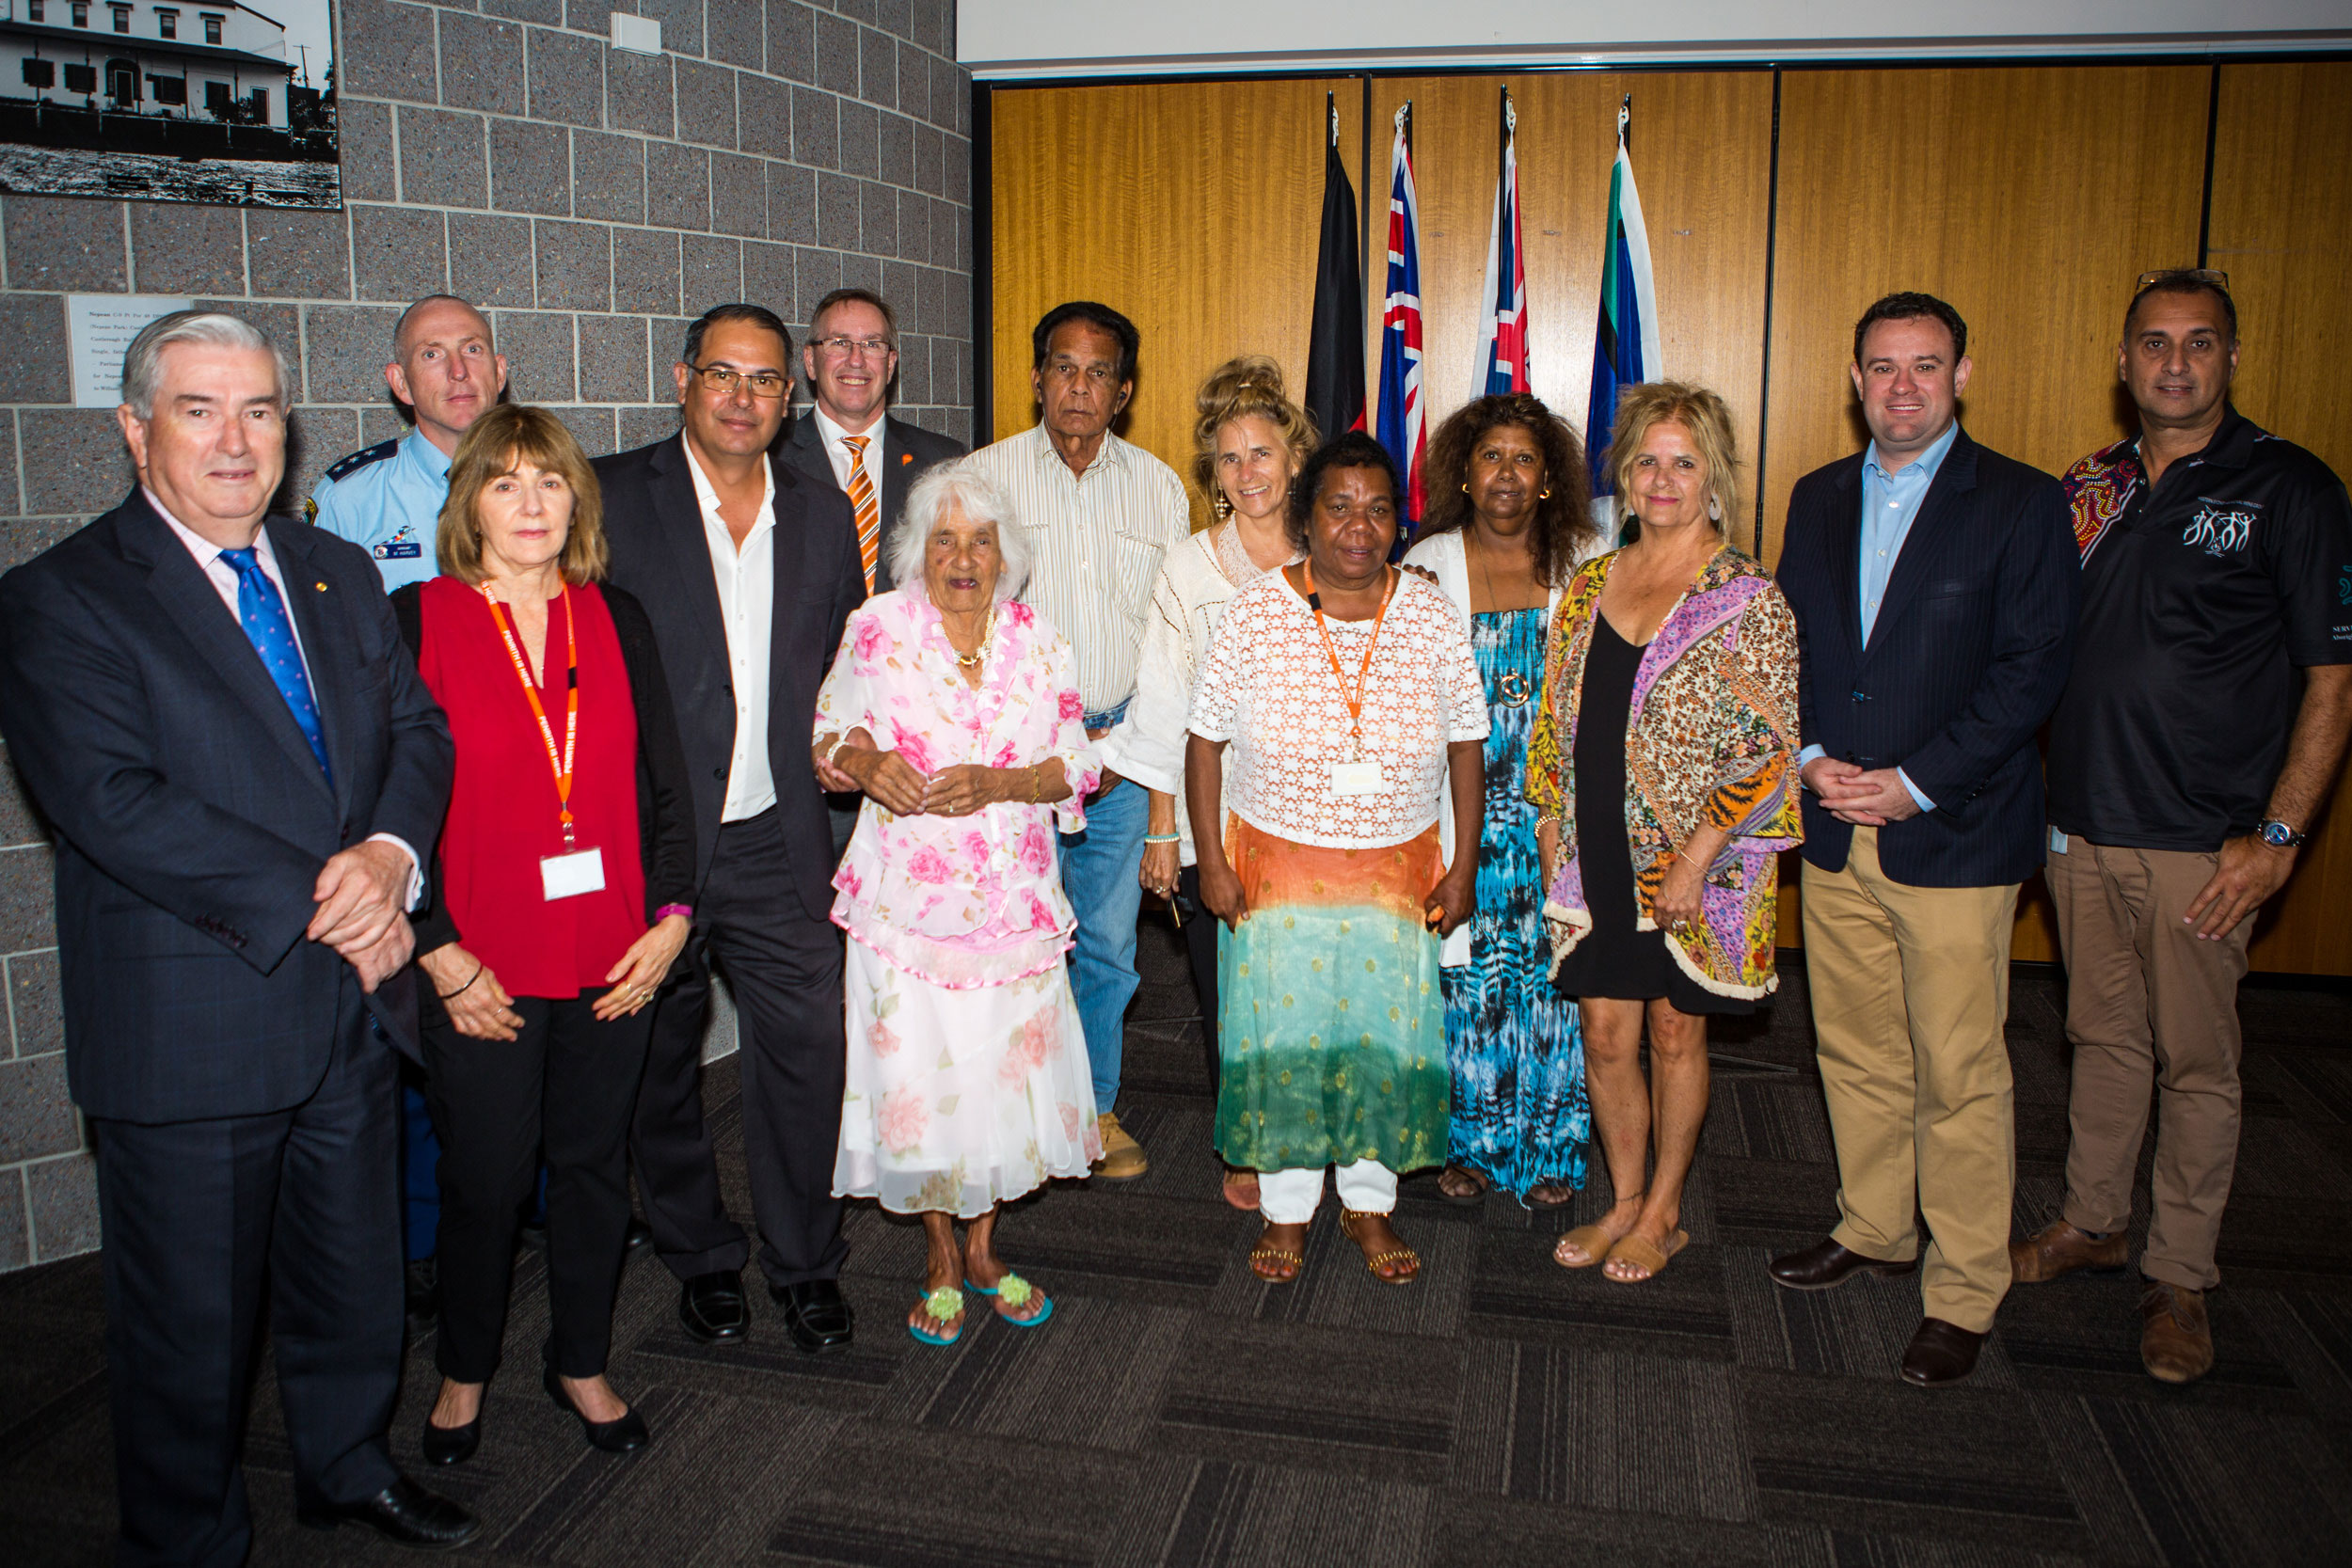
(1101, 513)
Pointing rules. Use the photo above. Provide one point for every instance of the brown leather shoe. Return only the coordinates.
(2175, 1336)
(1940, 1352)
(2060, 1249)
(1826, 1263)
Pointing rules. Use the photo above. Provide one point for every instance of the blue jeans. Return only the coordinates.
(1098, 872)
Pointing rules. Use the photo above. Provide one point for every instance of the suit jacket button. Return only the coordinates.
(720, 774)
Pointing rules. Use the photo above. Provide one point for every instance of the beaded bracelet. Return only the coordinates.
(1163, 838)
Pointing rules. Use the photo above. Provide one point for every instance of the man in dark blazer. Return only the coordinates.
(848, 441)
(749, 570)
(1935, 586)
(213, 709)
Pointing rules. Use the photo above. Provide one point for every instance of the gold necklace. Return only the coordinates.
(1512, 686)
(972, 659)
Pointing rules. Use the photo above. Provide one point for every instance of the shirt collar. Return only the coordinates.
(706, 494)
(833, 434)
(1925, 465)
(1111, 453)
(205, 551)
(426, 456)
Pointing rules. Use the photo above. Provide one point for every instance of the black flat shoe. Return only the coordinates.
(624, 1436)
(450, 1445)
(402, 1513)
(815, 1313)
(712, 1308)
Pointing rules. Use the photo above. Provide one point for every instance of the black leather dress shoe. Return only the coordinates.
(637, 1241)
(1940, 1352)
(624, 1436)
(815, 1313)
(403, 1513)
(1826, 1263)
(712, 1308)
(450, 1445)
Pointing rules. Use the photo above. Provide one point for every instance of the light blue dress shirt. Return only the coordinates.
(1890, 504)
(387, 499)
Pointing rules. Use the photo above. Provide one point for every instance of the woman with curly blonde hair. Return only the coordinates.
(1250, 439)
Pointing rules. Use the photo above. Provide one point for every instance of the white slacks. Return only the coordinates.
(1288, 1197)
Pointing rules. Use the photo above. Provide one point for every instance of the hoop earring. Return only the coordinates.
(1465, 487)
(1545, 493)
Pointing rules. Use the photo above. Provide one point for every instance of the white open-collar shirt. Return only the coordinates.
(746, 580)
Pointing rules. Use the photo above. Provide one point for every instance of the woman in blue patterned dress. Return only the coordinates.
(1507, 524)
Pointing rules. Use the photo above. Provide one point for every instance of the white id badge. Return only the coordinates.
(1355, 777)
(569, 876)
(2058, 841)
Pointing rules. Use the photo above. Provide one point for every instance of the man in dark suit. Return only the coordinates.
(1934, 584)
(749, 570)
(215, 711)
(849, 441)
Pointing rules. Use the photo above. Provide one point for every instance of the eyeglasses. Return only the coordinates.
(841, 348)
(2185, 274)
(720, 379)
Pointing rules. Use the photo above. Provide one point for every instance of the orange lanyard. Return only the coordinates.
(561, 766)
(1355, 701)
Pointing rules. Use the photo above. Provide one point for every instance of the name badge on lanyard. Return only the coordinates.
(1355, 776)
(577, 870)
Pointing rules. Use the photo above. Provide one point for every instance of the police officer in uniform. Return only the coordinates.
(387, 499)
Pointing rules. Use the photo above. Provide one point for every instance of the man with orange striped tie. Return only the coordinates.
(847, 439)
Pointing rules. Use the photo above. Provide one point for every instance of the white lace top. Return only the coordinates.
(1268, 689)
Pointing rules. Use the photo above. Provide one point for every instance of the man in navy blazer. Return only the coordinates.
(849, 441)
(213, 708)
(1935, 586)
(749, 571)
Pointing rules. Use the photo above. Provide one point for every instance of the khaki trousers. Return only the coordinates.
(2148, 1003)
(1910, 992)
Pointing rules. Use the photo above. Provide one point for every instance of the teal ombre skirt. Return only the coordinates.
(1333, 1032)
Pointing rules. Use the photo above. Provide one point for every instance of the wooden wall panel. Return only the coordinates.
(1192, 206)
(1702, 158)
(2030, 198)
(2281, 228)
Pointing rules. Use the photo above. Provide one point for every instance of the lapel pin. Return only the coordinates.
(322, 587)
(905, 458)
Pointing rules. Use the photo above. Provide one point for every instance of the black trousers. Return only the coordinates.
(1201, 929)
(207, 1225)
(565, 1087)
(784, 970)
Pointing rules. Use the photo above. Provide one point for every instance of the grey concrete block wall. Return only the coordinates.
(592, 200)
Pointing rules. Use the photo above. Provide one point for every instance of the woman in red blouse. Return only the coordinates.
(559, 902)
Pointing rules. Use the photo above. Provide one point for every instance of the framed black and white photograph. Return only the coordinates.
(211, 100)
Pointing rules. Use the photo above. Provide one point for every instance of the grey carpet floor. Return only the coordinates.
(1500, 1411)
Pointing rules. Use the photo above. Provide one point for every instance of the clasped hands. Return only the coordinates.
(362, 896)
(1867, 798)
(900, 787)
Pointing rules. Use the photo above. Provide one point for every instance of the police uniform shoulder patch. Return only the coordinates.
(361, 458)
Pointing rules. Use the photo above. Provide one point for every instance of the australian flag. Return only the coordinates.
(1402, 414)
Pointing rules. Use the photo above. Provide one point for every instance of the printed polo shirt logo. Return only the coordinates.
(2221, 528)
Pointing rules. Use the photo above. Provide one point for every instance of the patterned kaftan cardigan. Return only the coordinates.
(1711, 738)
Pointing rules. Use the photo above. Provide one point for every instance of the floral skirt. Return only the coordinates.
(959, 1099)
(1332, 1038)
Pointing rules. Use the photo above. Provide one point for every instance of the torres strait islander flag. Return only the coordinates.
(1625, 340)
(1501, 365)
(1402, 414)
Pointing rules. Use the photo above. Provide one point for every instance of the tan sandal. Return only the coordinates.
(1591, 1240)
(1374, 1261)
(1641, 1255)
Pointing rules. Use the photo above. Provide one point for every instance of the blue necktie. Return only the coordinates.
(263, 613)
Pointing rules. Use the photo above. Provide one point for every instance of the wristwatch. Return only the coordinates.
(2278, 834)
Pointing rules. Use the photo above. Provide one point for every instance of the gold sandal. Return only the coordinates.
(1374, 1262)
(1262, 1255)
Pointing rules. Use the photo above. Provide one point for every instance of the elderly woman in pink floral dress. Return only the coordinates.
(955, 711)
